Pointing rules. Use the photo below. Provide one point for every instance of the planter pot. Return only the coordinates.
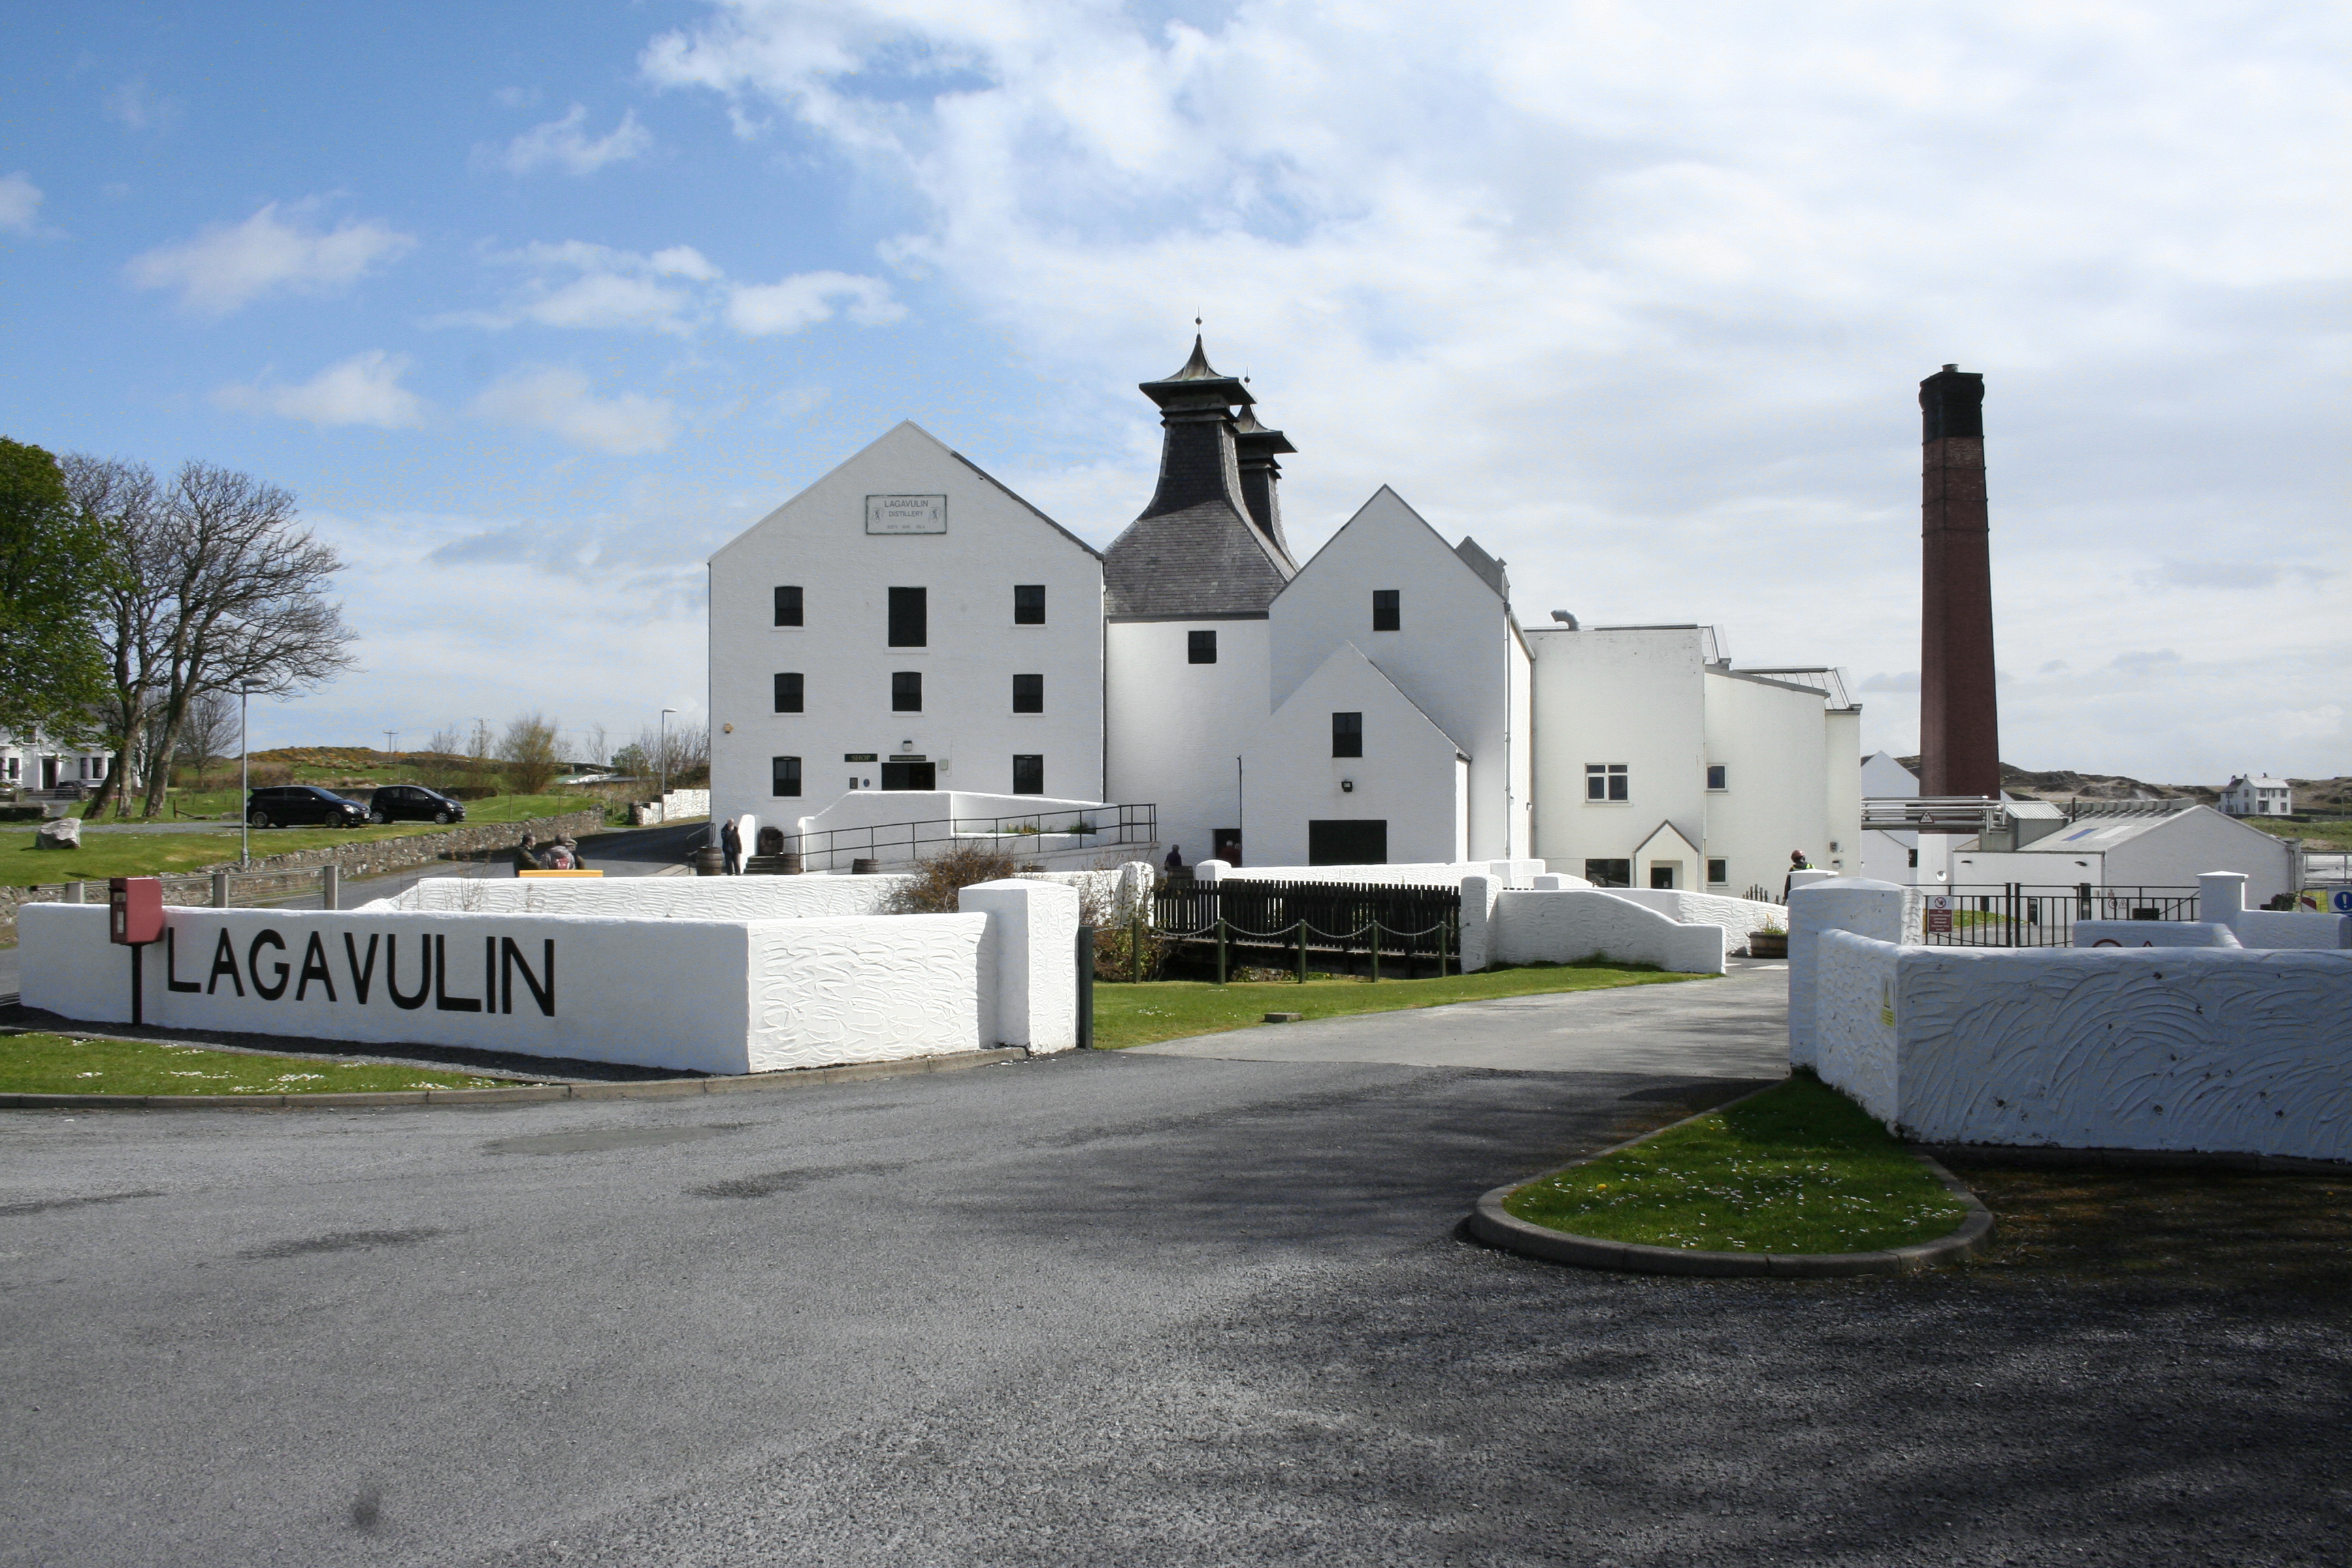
(1774, 945)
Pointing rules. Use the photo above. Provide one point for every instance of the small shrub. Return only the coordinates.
(941, 877)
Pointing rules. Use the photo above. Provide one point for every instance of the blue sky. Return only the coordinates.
(532, 305)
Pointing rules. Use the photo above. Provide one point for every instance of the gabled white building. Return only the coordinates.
(35, 762)
(905, 623)
(1659, 766)
(1381, 703)
(2258, 795)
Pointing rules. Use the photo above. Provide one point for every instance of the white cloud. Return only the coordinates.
(134, 107)
(1624, 287)
(557, 399)
(225, 264)
(766, 310)
(565, 145)
(20, 205)
(362, 390)
(676, 290)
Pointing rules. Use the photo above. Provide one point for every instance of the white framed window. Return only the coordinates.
(1606, 780)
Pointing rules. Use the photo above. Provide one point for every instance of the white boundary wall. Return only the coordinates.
(1509, 925)
(2210, 1048)
(713, 995)
(721, 898)
(1427, 874)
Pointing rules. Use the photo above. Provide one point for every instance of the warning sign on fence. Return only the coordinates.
(1940, 914)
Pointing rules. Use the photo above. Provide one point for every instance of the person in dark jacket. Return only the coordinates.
(526, 857)
(731, 839)
(1175, 861)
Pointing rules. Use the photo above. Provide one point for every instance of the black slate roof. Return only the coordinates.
(1203, 561)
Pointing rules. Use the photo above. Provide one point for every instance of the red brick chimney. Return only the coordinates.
(1959, 729)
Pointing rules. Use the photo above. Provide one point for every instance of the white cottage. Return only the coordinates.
(2258, 795)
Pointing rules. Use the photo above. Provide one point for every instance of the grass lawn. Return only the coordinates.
(1800, 1168)
(60, 1064)
(1158, 1010)
(104, 855)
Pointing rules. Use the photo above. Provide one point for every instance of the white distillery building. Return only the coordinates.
(35, 761)
(908, 624)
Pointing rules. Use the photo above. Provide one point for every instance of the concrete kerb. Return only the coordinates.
(1490, 1223)
(642, 1089)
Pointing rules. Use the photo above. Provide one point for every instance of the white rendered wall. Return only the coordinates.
(1175, 730)
(1455, 655)
(1632, 696)
(1406, 776)
(701, 995)
(1402, 874)
(1841, 786)
(1773, 741)
(818, 541)
(1739, 917)
(1032, 966)
(1564, 926)
(653, 897)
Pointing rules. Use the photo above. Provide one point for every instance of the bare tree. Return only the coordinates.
(124, 502)
(208, 727)
(681, 754)
(593, 747)
(440, 766)
(531, 750)
(240, 601)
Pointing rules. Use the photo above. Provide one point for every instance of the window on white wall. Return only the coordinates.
(1388, 610)
(1029, 603)
(1201, 647)
(1028, 773)
(1028, 694)
(789, 691)
(784, 775)
(1606, 780)
(906, 691)
(788, 606)
(1718, 872)
(1716, 773)
(1347, 734)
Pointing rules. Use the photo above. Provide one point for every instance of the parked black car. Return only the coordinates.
(290, 806)
(413, 803)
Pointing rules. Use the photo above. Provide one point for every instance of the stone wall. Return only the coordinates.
(281, 876)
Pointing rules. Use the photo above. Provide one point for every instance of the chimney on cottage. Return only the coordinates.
(1959, 733)
(1261, 475)
(1199, 462)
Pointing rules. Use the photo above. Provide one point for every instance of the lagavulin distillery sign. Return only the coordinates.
(339, 967)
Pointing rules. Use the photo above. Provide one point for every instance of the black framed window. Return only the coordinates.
(1028, 694)
(1347, 734)
(1028, 773)
(1718, 872)
(1029, 603)
(1716, 776)
(1606, 780)
(905, 691)
(789, 691)
(1201, 647)
(910, 617)
(788, 606)
(1609, 873)
(783, 775)
(1388, 610)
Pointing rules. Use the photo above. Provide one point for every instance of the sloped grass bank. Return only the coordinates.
(1156, 1010)
(63, 1064)
(1799, 1168)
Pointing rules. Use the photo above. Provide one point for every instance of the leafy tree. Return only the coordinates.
(533, 753)
(54, 566)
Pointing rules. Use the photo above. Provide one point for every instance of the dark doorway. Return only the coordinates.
(1361, 841)
(49, 772)
(910, 776)
(1662, 875)
(1229, 845)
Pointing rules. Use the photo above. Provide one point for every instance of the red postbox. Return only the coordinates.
(135, 911)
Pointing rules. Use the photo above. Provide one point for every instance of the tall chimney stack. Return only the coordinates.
(1959, 730)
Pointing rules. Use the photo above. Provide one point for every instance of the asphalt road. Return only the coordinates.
(1107, 1309)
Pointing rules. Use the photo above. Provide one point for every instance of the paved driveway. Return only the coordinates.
(1736, 1026)
(1110, 1309)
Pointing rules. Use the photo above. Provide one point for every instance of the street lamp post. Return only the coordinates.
(244, 784)
(663, 764)
(392, 746)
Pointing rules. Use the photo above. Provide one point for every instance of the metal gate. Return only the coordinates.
(2023, 914)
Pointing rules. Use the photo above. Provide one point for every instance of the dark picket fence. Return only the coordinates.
(1323, 925)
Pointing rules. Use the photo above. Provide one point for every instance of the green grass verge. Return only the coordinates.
(1158, 1010)
(1800, 1168)
(104, 855)
(60, 1064)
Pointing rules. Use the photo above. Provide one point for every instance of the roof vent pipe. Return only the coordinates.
(1564, 618)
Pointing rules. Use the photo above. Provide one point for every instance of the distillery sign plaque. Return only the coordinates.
(906, 514)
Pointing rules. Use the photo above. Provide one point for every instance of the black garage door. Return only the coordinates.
(1361, 841)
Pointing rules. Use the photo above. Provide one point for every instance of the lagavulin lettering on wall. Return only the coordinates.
(354, 975)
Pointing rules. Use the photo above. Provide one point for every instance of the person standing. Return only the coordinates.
(526, 856)
(1797, 862)
(731, 839)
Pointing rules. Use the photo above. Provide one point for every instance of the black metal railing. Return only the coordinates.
(1299, 925)
(2020, 914)
(899, 843)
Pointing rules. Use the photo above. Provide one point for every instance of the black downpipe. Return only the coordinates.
(1085, 987)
